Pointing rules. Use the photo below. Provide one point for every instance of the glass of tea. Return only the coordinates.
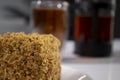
(50, 17)
(94, 27)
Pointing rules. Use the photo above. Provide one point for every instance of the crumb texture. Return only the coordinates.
(29, 57)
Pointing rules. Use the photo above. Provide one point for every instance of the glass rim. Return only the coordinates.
(38, 2)
(48, 1)
(46, 4)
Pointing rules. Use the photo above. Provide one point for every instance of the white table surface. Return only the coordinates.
(97, 68)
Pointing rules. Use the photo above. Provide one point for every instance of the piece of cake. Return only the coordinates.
(29, 57)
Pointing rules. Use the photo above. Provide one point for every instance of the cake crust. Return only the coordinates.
(29, 57)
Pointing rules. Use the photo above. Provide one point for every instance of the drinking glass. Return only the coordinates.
(50, 17)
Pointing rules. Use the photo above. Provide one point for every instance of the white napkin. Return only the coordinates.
(72, 74)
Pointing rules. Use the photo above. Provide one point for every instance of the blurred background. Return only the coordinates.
(15, 17)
